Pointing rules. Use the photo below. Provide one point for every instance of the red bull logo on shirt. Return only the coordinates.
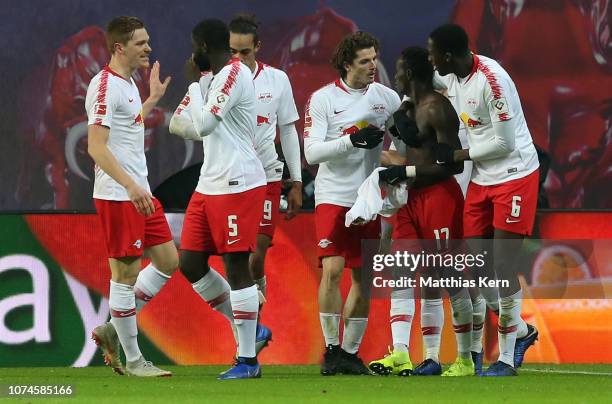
(354, 128)
(469, 122)
(139, 120)
(263, 119)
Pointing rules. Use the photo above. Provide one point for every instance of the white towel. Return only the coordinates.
(370, 203)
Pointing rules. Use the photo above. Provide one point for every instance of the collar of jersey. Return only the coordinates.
(475, 63)
(114, 73)
(341, 84)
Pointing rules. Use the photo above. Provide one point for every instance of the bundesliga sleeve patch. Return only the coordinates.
(219, 101)
(500, 106)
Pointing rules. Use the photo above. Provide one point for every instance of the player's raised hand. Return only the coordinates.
(367, 138)
(294, 200)
(156, 88)
(141, 199)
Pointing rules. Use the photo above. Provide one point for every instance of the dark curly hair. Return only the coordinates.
(347, 49)
(245, 24)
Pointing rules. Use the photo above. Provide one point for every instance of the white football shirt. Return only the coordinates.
(489, 95)
(230, 163)
(274, 106)
(332, 114)
(114, 102)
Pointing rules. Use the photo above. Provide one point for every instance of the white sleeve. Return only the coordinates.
(501, 144)
(181, 122)
(204, 121)
(104, 102)
(225, 90)
(287, 111)
(291, 150)
(500, 112)
(316, 149)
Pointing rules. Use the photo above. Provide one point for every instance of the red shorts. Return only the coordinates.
(126, 232)
(509, 206)
(268, 221)
(433, 212)
(335, 239)
(220, 224)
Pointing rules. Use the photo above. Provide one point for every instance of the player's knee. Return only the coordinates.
(331, 277)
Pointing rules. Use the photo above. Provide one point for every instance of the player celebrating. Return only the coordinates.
(274, 107)
(434, 211)
(223, 212)
(342, 133)
(133, 221)
(501, 198)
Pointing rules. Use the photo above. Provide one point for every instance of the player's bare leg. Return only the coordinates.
(257, 262)
(330, 307)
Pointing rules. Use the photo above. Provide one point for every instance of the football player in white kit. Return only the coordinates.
(223, 213)
(502, 196)
(343, 131)
(132, 220)
(274, 107)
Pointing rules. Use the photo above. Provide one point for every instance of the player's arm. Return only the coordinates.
(181, 123)
(443, 121)
(317, 150)
(222, 95)
(97, 139)
(287, 115)
(291, 150)
(499, 145)
(157, 89)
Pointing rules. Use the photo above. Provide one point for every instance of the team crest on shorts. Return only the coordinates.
(324, 243)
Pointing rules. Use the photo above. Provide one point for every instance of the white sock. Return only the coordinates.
(479, 310)
(491, 295)
(215, 290)
(330, 326)
(461, 305)
(123, 317)
(354, 328)
(149, 282)
(401, 315)
(261, 285)
(245, 305)
(432, 320)
(509, 320)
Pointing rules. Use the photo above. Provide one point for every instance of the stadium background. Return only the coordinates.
(53, 275)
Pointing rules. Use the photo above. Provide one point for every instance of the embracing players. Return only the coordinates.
(502, 196)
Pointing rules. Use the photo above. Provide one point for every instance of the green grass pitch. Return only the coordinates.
(296, 384)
